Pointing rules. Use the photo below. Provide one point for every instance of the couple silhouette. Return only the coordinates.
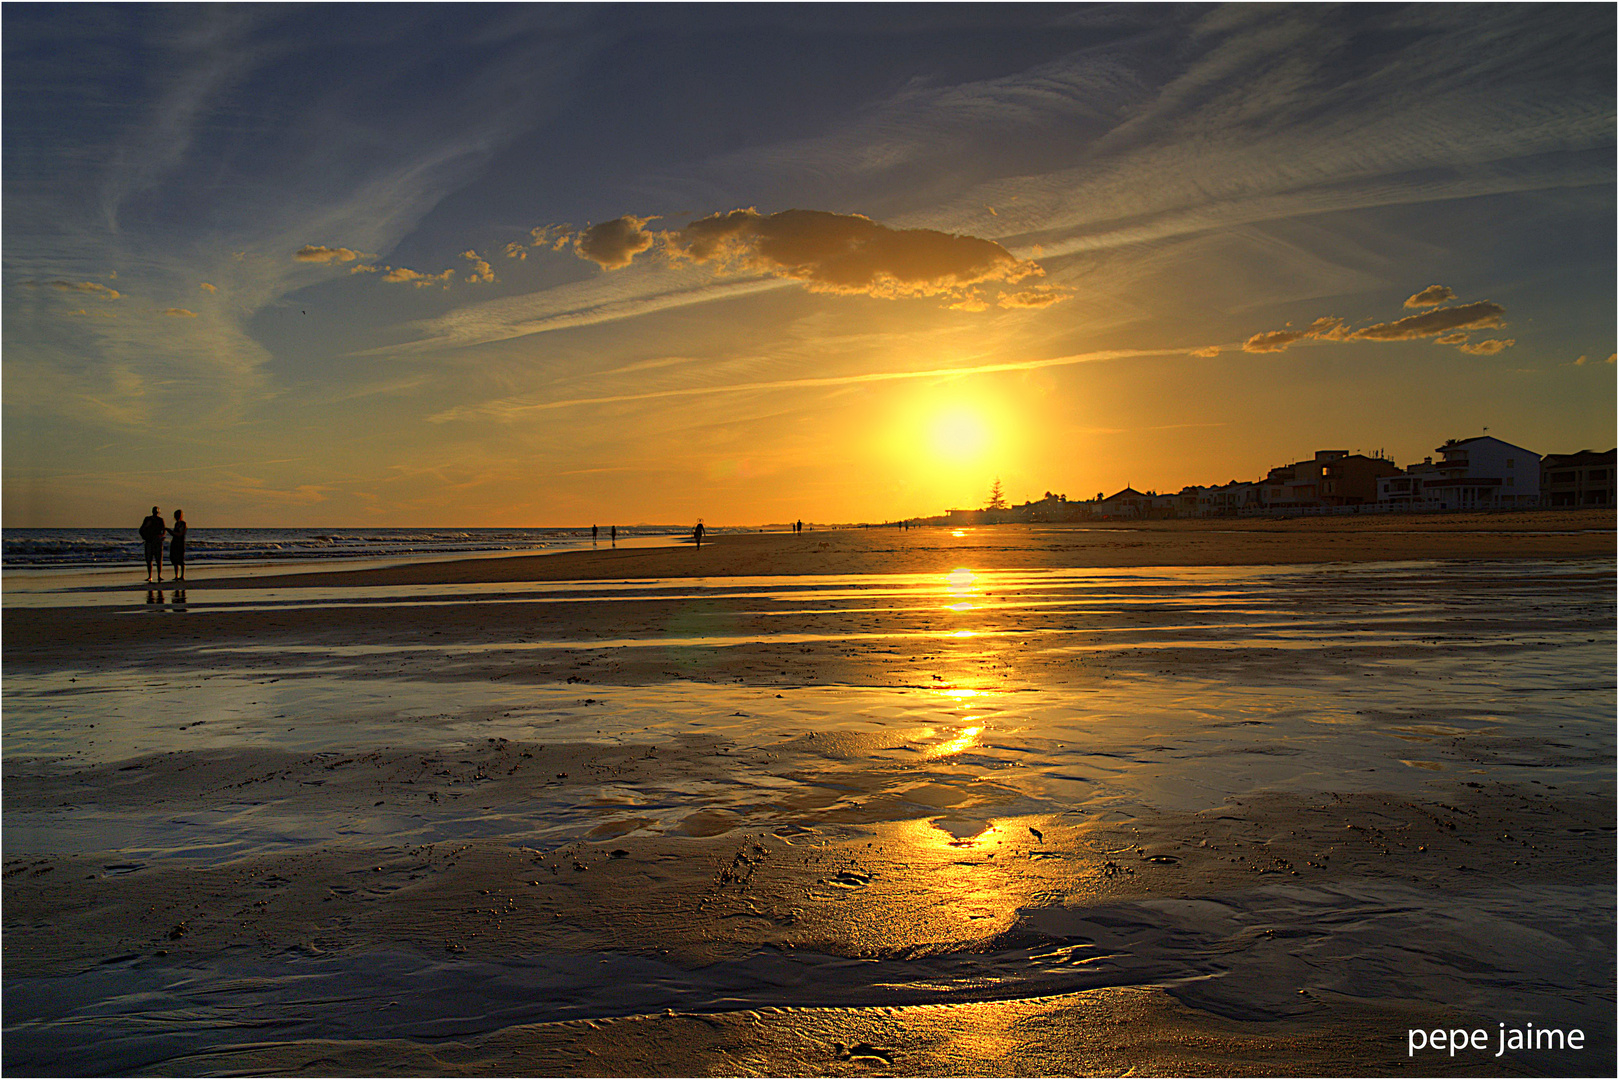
(153, 529)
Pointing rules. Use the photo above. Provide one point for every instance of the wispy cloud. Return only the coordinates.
(320, 253)
(513, 408)
(570, 306)
(1488, 347)
(404, 275)
(1474, 316)
(1448, 325)
(1040, 297)
(180, 312)
(93, 287)
(1273, 341)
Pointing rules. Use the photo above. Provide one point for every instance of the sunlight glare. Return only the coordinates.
(959, 435)
(967, 738)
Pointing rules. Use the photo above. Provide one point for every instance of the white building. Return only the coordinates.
(1483, 473)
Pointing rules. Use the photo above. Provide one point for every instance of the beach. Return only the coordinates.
(1179, 797)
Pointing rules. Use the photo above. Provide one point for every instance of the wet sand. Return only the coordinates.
(590, 814)
(937, 550)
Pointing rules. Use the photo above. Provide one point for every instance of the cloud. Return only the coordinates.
(516, 250)
(848, 253)
(1273, 341)
(318, 253)
(481, 270)
(1329, 328)
(207, 288)
(1439, 321)
(612, 244)
(1207, 351)
(1032, 298)
(1448, 326)
(401, 274)
(87, 287)
(512, 408)
(972, 303)
(1612, 357)
(1432, 296)
(180, 312)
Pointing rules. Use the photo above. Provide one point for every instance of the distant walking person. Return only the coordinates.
(177, 545)
(798, 526)
(152, 530)
(593, 534)
(697, 534)
(614, 531)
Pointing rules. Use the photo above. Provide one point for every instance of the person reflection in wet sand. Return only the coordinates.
(154, 596)
(152, 530)
(177, 545)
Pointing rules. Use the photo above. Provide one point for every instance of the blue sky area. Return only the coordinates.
(525, 265)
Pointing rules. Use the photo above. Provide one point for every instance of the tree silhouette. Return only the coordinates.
(997, 498)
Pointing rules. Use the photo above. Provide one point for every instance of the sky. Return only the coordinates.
(513, 265)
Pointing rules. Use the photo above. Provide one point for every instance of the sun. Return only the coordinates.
(959, 435)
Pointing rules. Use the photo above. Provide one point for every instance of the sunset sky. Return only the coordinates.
(511, 265)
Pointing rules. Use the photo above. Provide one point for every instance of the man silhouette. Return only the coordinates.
(152, 530)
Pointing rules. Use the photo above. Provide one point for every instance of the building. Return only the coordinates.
(1403, 491)
(1351, 479)
(1229, 499)
(1582, 479)
(1483, 473)
(1128, 503)
(1332, 478)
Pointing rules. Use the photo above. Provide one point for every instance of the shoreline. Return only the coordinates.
(1547, 534)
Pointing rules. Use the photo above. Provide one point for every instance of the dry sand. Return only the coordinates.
(798, 853)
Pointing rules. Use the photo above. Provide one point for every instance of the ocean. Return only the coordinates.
(81, 548)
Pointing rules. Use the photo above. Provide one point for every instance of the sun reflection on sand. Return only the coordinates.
(968, 737)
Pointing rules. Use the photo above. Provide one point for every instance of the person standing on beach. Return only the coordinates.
(177, 545)
(152, 530)
(697, 534)
(593, 529)
(614, 530)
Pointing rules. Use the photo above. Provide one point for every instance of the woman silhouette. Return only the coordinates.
(177, 546)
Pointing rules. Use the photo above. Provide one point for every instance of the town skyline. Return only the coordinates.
(510, 266)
